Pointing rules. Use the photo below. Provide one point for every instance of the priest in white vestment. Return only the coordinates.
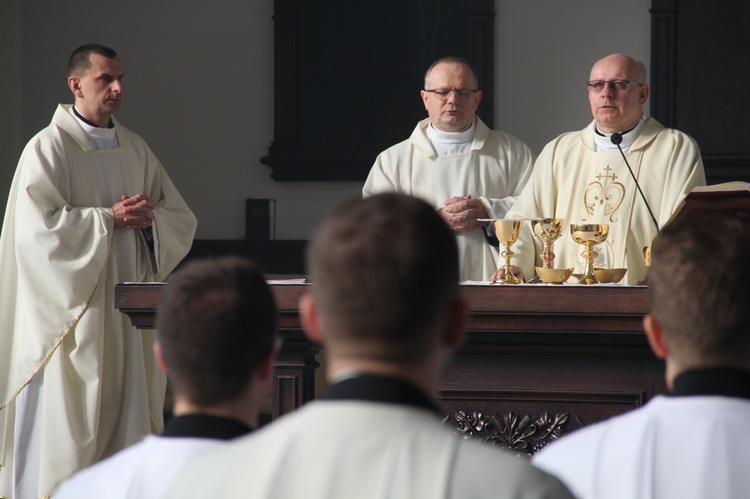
(90, 206)
(582, 177)
(456, 163)
(692, 443)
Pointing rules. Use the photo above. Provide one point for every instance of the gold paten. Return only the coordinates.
(554, 276)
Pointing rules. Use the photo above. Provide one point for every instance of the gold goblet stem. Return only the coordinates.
(547, 255)
(548, 230)
(589, 254)
(509, 278)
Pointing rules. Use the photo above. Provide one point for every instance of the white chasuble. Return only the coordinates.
(495, 171)
(573, 182)
(78, 382)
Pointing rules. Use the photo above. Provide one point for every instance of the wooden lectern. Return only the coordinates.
(730, 198)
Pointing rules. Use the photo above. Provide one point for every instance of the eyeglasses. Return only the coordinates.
(597, 86)
(443, 94)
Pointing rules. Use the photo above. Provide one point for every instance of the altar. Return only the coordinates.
(539, 360)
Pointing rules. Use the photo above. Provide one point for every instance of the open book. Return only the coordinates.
(729, 198)
(736, 188)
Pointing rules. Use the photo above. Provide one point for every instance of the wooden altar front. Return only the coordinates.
(539, 361)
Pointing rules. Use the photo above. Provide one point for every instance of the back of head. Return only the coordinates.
(384, 271)
(215, 320)
(699, 286)
(79, 62)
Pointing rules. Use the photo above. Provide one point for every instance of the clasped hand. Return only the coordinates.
(462, 213)
(133, 212)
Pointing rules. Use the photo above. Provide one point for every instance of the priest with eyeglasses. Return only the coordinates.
(456, 163)
(624, 169)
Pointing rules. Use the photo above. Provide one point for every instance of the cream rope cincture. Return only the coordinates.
(121, 403)
(155, 228)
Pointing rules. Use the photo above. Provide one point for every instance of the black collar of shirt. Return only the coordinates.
(384, 389)
(725, 381)
(91, 123)
(598, 132)
(205, 426)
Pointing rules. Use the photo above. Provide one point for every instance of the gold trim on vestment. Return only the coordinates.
(65, 334)
(599, 192)
(70, 328)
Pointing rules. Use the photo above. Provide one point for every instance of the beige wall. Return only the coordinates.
(544, 52)
(199, 87)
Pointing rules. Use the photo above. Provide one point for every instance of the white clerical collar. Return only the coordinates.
(451, 142)
(604, 143)
(101, 138)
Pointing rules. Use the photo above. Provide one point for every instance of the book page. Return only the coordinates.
(735, 186)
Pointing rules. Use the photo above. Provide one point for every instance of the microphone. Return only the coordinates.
(616, 138)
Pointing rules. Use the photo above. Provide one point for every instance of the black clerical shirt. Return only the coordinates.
(205, 426)
(724, 381)
(384, 389)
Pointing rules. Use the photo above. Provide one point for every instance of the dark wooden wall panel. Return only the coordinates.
(700, 79)
(347, 76)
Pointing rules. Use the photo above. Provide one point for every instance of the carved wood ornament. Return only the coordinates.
(521, 435)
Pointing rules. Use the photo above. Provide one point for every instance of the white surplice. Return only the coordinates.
(341, 449)
(78, 382)
(495, 171)
(691, 447)
(574, 182)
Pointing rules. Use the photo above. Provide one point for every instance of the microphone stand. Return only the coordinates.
(616, 138)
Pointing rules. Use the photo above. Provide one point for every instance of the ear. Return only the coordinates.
(74, 83)
(160, 357)
(308, 315)
(477, 98)
(456, 322)
(655, 336)
(424, 95)
(644, 94)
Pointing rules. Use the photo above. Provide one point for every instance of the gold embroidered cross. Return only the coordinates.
(607, 170)
(603, 189)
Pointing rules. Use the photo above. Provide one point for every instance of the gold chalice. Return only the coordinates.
(589, 235)
(548, 230)
(507, 232)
